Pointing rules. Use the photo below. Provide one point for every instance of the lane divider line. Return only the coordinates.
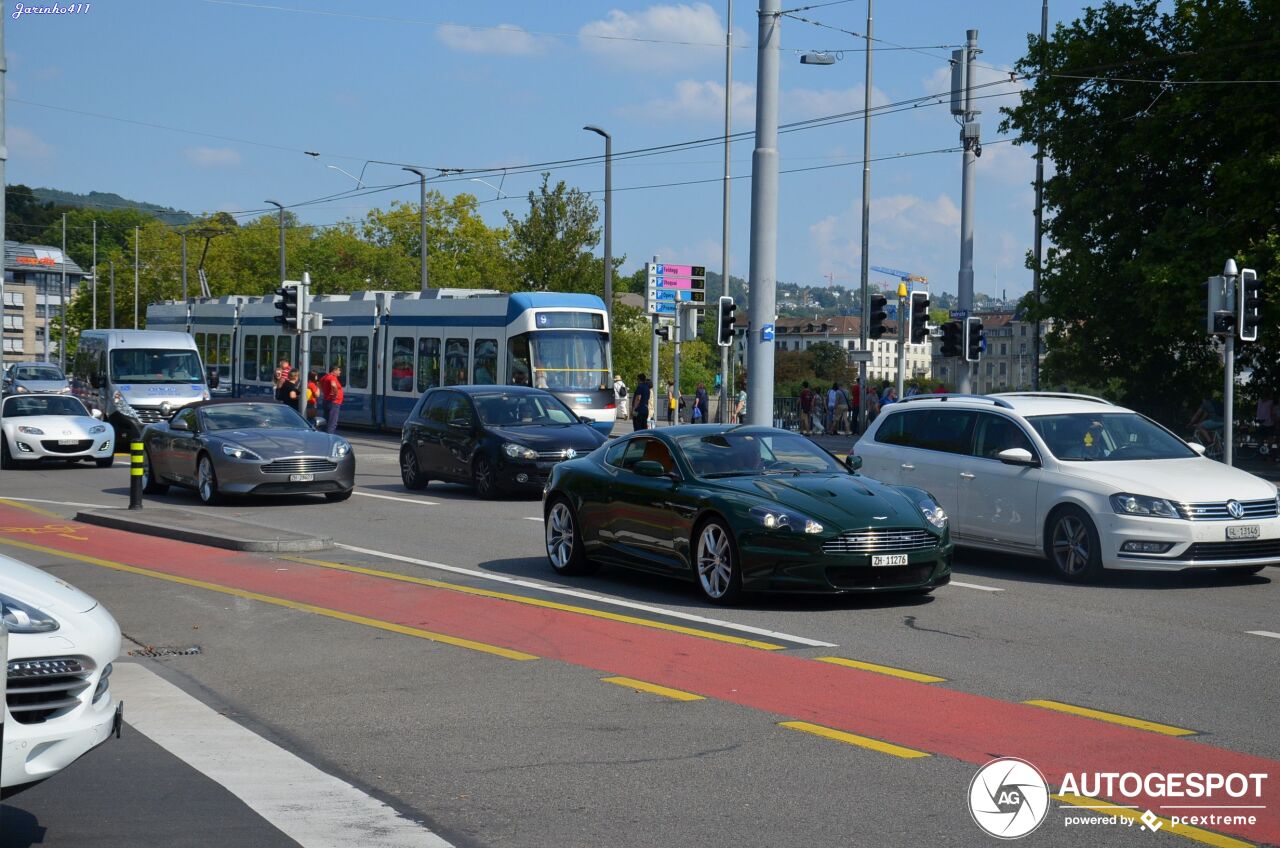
(977, 586)
(1266, 633)
(392, 627)
(417, 501)
(654, 688)
(537, 602)
(537, 518)
(14, 503)
(883, 669)
(600, 599)
(854, 739)
(1114, 718)
(1102, 808)
(29, 508)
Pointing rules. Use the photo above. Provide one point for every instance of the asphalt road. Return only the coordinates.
(486, 751)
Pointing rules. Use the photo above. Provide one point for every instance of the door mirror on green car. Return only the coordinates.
(852, 462)
(649, 468)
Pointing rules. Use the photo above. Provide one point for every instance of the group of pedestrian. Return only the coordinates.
(324, 394)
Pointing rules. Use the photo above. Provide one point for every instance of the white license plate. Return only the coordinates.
(1243, 531)
(68, 441)
(301, 478)
(889, 559)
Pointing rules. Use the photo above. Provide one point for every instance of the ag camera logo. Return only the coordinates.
(1008, 798)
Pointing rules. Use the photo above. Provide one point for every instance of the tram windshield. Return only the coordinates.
(565, 360)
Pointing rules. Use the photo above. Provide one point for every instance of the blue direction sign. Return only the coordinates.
(959, 314)
(766, 332)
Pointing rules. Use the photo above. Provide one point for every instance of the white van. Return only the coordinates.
(136, 377)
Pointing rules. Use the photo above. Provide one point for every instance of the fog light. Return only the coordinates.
(103, 683)
(23, 447)
(522, 478)
(105, 446)
(1135, 547)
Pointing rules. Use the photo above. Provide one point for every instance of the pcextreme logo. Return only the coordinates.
(1008, 798)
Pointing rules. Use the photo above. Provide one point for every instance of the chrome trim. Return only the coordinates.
(880, 541)
(299, 465)
(1219, 511)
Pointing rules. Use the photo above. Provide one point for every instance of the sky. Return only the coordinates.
(208, 105)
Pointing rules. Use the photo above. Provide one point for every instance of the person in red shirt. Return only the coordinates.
(313, 394)
(331, 391)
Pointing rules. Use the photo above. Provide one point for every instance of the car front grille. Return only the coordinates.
(152, 414)
(1217, 511)
(880, 541)
(299, 465)
(40, 689)
(558, 455)
(1251, 549)
(879, 578)
(52, 446)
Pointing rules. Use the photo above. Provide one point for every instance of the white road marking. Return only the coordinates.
(977, 586)
(1266, 633)
(394, 498)
(59, 503)
(315, 809)
(558, 590)
(537, 518)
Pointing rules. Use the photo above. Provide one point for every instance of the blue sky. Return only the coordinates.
(488, 84)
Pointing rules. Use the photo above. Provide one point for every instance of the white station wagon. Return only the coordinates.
(1076, 479)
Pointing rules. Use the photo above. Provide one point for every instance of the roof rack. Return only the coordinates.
(1003, 404)
(1057, 395)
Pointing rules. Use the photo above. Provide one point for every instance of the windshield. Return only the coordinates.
(252, 416)
(521, 410)
(19, 407)
(37, 372)
(570, 361)
(1108, 436)
(148, 365)
(735, 454)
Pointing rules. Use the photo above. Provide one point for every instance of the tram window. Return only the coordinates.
(402, 364)
(518, 361)
(250, 357)
(486, 367)
(359, 362)
(338, 357)
(204, 354)
(284, 350)
(456, 352)
(319, 346)
(266, 359)
(224, 356)
(428, 364)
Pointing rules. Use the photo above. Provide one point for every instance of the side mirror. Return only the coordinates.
(583, 419)
(1197, 447)
(211, 377)
(460, 423)
(317, 423)
(96, 413)
(852, 462)
(649, 468)
(1017, 456)
(179, 424)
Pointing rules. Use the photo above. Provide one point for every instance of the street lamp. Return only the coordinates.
(280, 206)
(498, 189)
(608, 216)
(422, 215)
(359, 181)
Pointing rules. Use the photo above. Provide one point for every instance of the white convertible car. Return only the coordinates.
(51, 426)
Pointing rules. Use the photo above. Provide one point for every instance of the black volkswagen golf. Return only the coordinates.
(495, 438)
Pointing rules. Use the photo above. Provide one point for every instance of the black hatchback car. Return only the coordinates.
(495, 438)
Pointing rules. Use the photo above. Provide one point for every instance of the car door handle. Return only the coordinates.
(906, 466)
(966, 475)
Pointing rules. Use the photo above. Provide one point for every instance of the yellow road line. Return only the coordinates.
(883, 669)
(37, 510)
(1114, 718)
(538, 602)
(855, 739)
(1196, 834)
(642, 686)
(280, 602)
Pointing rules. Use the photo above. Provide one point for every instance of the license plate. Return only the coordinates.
(889, 559)
(1243, 531)
(68, 441)
(301, 478)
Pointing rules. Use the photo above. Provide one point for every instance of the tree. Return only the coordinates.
(551, 246)
(1155, 184)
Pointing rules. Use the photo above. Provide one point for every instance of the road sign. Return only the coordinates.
(766, 333)
(669, 284)
(860, 356)
(959, 314)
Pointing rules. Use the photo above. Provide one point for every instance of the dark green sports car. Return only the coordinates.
(740, 508)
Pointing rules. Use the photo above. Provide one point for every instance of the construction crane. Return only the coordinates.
(905, 276)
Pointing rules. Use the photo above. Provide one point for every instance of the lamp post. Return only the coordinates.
(359, 181)
(422, 216)
(608, 216)
(496, 188)
(280, 206)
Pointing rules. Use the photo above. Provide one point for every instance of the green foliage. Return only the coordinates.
(552, 244)
(632, 353)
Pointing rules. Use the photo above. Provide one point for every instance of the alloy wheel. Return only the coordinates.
(484, 481)
(715, 562)
(1071, 545)
(560, 539)
(206, 482)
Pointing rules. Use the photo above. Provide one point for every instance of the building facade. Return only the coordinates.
(845, 332)
(33, 279)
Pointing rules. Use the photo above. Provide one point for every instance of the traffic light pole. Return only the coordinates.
(969, 138)
(304, 352)
(1229, 364)
(904, 333)
(678, 330)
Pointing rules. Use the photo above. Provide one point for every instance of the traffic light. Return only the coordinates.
(878, 313)
(973, 339)
(952, 339)
(919, 317)
(1248, 299)
(724, 321)
(290, 316)
(663, 332)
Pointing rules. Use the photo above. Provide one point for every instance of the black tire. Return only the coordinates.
(484, 479)
(411, 473)
(207, 481)
(716, 565)
(105, 462)
(564, 547)
(335, 497)
(6, 459)
(1071, 545)
(151, 485)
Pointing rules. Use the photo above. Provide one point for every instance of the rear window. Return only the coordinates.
(946, 430)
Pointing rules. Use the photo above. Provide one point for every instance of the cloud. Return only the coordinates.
(24, 144)
(212, 157)
(801, 103)
(907, 231)
(696, 100)
(643, 40)
(504, 39)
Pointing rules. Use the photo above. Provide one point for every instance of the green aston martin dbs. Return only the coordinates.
(742, 508)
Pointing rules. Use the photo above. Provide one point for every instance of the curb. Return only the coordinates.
(200, 530)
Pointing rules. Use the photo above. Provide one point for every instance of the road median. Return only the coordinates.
(203, 529)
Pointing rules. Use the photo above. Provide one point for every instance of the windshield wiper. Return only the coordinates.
(715, 474)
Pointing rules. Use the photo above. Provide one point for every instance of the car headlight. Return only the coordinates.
(22, 389)
(932, 513)
(123, 405)
(98, 428)
(238, 452)
(30, 431)
(1127, 504)
(204, 395)
(784, 520)
(24, 618)
(64, 390)
(519, 451)
(341, 447)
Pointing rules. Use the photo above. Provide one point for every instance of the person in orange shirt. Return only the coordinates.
(331, 392)
(313, 393)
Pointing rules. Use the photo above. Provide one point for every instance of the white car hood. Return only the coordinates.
(41, 590)
(66, 426)
(1191, 480)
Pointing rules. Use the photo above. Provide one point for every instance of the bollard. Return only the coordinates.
(135, 475)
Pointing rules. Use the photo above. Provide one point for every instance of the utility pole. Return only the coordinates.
(184, 266)
(112, 264)
(678, 329)
(135, 277)
(764, 219)
(608, 219)
(865, 340)
(62, 300)
(653, 365)
(1035, 271)
(304, 343)
(95, 274)
(970, 131)
(1230, 273)
(422, 223)
(904, 315)
(725, 388)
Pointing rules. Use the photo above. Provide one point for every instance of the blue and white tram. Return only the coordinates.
(392, 346)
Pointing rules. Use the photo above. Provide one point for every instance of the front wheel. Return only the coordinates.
(207, 481)
(565, 550)
(716, 561)
(6, 459)
(485, 480)
(105, 461)
(1072, 546)
(411, 473)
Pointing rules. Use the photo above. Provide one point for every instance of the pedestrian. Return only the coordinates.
(873, 406)
(842, 410)
(855, 406)
(287, 391)
(700, 408)
(890, 396)
(313, 394)
(620, 395)
(913, 390)
(820, 410)
(281, 372)
(672, 399)
(331, 394)
(806, 409)
(833, 409)
(941, 389)
(640, 403)
(740, 409)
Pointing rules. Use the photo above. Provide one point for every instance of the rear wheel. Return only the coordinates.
(484, 478)
(1071, 544)
(207, 481)
(565, 550)
(716, 561)
(150, 484)
(411, 473)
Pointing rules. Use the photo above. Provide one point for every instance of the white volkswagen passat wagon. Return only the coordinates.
(1076, 479)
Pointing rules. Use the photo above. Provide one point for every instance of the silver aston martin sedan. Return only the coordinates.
(222, 447)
